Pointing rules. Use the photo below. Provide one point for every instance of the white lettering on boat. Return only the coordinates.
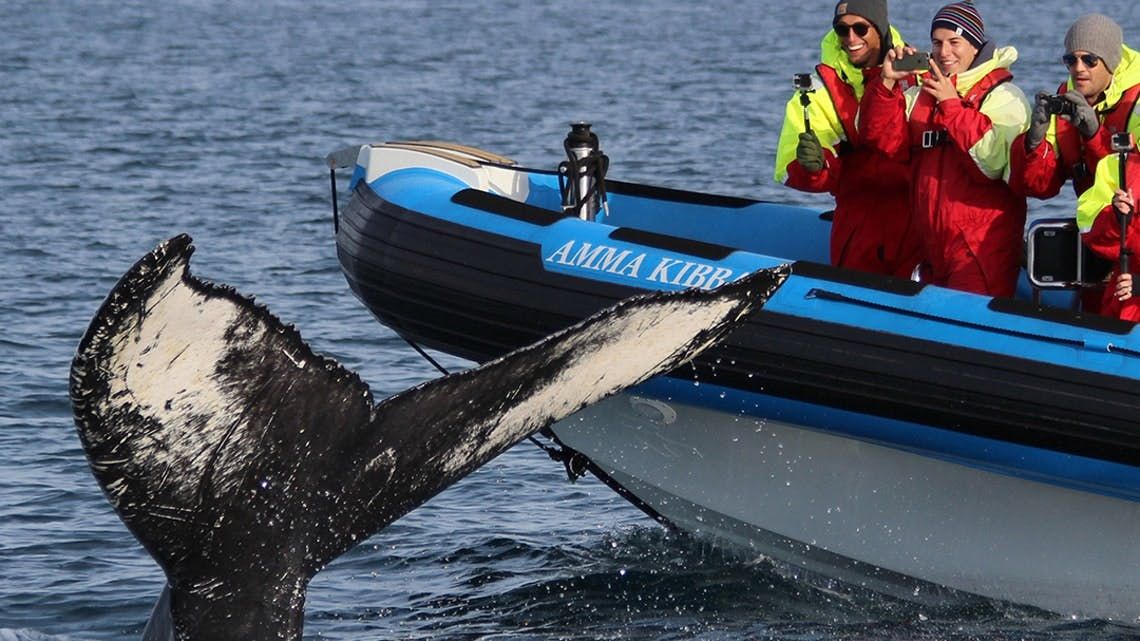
(614, 260)
(599, 258)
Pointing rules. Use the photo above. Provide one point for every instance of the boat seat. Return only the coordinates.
(1057, 259)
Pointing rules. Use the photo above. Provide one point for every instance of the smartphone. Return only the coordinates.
(917, 61)
(802, 81)
(1122, 141)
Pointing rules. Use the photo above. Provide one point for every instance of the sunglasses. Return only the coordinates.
(860, 28)
(1089, 59)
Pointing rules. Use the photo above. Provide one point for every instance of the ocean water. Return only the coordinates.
(123, 123)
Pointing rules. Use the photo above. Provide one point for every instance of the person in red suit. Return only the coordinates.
(956, 130)
(871, 225)
(1106, 215)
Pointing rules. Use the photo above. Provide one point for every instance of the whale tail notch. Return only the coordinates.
(244, 462)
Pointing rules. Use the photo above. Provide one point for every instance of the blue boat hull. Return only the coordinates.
(1002, 386)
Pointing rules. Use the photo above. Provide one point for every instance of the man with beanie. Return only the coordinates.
(870, 229)
(956, 129)
(1103, 89)
(1102, 93)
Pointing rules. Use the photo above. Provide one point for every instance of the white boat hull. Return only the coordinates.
(868, 514)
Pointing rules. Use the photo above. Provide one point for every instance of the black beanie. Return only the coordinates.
(875, 11)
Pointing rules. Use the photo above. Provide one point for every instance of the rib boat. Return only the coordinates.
(883, 433)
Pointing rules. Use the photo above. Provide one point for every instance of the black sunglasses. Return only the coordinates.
(1089, 59)
(860, 28)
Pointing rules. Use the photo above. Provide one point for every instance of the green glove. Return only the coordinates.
(809, 153)
(1038, 122)
(1085, 118)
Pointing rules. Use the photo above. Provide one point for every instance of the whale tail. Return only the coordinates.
(244, 462)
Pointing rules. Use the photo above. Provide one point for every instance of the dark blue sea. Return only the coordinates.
(124, 123)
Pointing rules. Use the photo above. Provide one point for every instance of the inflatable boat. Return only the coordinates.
(885, 433)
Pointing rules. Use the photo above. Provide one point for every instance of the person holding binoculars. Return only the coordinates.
(821, 149)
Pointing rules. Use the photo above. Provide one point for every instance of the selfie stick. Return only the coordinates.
(1124, 217)
(802, 81)
(805, 101)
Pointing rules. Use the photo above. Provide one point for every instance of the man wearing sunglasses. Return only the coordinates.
(870, 227)
(1099, 99)
(957, 128)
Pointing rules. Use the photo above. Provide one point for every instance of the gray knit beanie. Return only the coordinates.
(1099, 35)
(875, 11)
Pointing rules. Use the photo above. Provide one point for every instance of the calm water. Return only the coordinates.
(126, 122)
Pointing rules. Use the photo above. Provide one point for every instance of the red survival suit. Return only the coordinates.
(1066, 155)
(1103, 236)
(968, 218)
(1042, 172)
(871, 228)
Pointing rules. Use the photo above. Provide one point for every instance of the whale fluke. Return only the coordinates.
(244, 462)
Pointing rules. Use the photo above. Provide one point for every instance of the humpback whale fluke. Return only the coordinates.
(244, 462)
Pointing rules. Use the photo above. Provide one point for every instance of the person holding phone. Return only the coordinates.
(820, 148)
(956, 128)
(1106, 215)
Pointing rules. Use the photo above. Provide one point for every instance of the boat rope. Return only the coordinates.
(572, 461)
(427, 357)
(894, 309)
(336, 214)
(575, 464)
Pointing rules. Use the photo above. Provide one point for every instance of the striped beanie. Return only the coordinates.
(963, 19)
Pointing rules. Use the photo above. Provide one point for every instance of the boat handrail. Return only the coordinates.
(466, 161)
(1001, 306)
(443, 148)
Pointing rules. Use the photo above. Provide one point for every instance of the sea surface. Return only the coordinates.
(124, 123)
